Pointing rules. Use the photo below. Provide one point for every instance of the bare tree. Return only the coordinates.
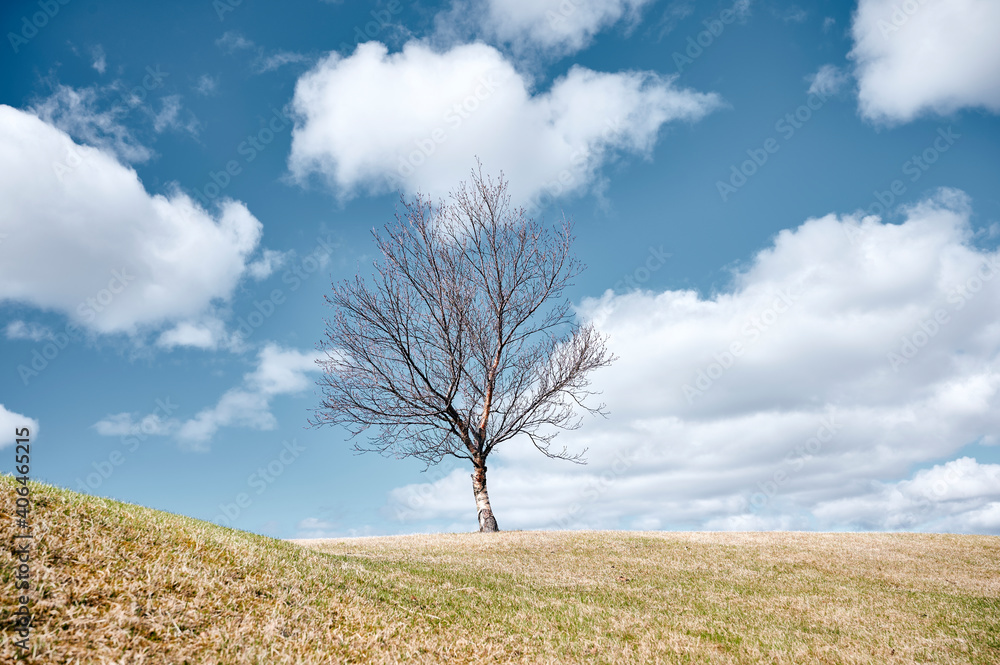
(463, 339)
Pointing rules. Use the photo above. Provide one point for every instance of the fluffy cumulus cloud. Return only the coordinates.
(560, 26)
(849, 353)
(926, 55)
(208, 334)
(414, 120)
(85, 239)
(11, 422)
(279, 371)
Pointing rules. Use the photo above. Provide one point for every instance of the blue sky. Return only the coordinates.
(813, 182)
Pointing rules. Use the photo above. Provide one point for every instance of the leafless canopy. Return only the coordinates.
(463, 339)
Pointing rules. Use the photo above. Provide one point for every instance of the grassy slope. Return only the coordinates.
(121, 583)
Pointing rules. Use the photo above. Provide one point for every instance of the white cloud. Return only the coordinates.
(169, 114)
(206, 85)
(205, 335)
(424, 115)
(232, 41)
(77, 112)
(269, 261)
(314, 527)
(124, 424)
(751, 522)
(10, 422)
(277, 60)
(208, 331)
(960, 496)
(235, 407)
(672, 15)
(931, 55)
(110, 116)
(866, 351)
(279, 372)
(88, 241)
(263, 61)
(100, 60)
(558, 26)
(30, 331)
(827, 81)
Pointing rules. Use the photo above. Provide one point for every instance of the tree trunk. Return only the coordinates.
(487, 523)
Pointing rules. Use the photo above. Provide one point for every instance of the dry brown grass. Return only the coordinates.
(124, 584)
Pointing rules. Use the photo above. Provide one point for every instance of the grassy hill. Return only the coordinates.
(125, 584)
